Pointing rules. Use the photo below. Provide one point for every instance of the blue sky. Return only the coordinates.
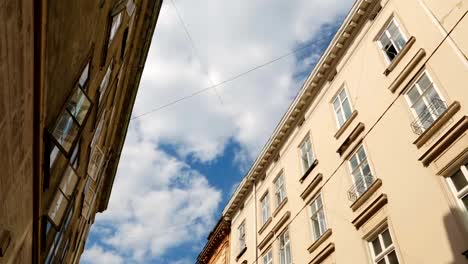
(180, 165)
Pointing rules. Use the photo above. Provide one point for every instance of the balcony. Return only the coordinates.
(425, 119)
(360, 187)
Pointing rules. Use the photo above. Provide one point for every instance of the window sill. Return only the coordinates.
(369, 211)
(281, 205)
(265, 225)
(311, 167)
(346, 124)
(319, 241)
(281, 222)
(241, 253)
(438, 123)
(322, 255)
(366, 195)
(407, 70)
(311, 186)
(400, 55)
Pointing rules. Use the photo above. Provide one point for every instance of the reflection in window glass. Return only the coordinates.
(116, 21)
(53, 156)
(57, 208)
(84, 76)
(65, 130)
(130, 7)
(105, 81)
(68, 183)
(78, 105)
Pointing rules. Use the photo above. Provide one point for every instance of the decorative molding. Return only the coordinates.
(366, 195)
(265, 240)
(442, 144)
(407, 70)
(370, 210)
(438, 123)
(351, 138)
(265, 225)
(215, 240)
(400, 56)
(281, 205)
(311, 167)
(346, 124)
(281, 222)
(308, 190)
(241, 253)
(330, 248)
(320, 240)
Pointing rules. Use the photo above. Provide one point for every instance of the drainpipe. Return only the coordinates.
(255, 217)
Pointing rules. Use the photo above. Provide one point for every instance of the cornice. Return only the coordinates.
(362, 11)
(215, 240)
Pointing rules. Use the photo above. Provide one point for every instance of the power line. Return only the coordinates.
(235, 77)
(194, 49)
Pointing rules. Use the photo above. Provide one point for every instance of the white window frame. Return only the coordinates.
(385, 31)
(115, 26)
(335, 111)
(317, 211)
(267, 258)
(359, 166)
(385, 250)
(285, 247)
(242, 236)
(415, 85)
(306, 153)
(280, 189)
(459, 195)
(265, 208)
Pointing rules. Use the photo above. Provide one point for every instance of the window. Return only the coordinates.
(383, 249)
(285, 248)
(342, 107)
(268, 257)
(95, 162)
(265, 207)
(361, 172)
(78, 105)
(280, 193)
(105, 81)
(319, 225)
(392, 40)
(84, 77)
(425, 103)
(62, 196)
(459, 185)
(307, 156)
(242, 243)
(116, 21)
(130, 7)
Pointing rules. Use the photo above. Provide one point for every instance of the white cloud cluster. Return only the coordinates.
(158, 200)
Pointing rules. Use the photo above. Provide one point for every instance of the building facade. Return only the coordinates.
(216, 250)
(370, 162)
(69, 74)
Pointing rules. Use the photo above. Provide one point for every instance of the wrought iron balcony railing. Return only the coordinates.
(435, 109)
(360, 186)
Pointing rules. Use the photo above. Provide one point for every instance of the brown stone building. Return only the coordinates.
(69, 74)
(216, 250)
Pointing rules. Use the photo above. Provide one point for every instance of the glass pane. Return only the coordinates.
(465, 201)
(382, 261)
(343, 95)
(57, 208)
(392, 258)
(387, 239)
(413, 95)
(316, 227)
(459, 180)
(68, 183)
(361, 154)
(323, 224)
(424, 82)
(347, 109)
(53, 156)
(336, 104)
(365, 169)
(78, 105)
(354, 162)
(341, 119)
(377, 247)
(400, 42)
(84, 76)
(65, 131)
(384, 40)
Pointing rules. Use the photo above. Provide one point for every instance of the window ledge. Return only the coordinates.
(311, 186)
(438, 123)
(265, 225)
(281, 222)
(319, 241)
(366, 195)
(281, 205)
(265, 241)
(322, 255)
(346, 124)
(311, 167)
(407, 70)
(369, 211)
(400, 55)
(241, 253)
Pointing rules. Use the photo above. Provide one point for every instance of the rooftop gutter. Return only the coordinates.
(324, 70)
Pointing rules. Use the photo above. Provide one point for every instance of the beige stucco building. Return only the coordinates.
(369, 163)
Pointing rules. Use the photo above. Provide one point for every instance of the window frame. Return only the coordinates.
(310, 154)
(383, 31)
(385, 250)
(334, 98)
(359, 166)
(280, 191)
(318, 210)
(110, 37)
(282, 248)
(463, 193)
(242, 236)
(265, 199)
(267, 258)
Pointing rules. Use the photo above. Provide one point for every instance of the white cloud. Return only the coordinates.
(158, 201)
